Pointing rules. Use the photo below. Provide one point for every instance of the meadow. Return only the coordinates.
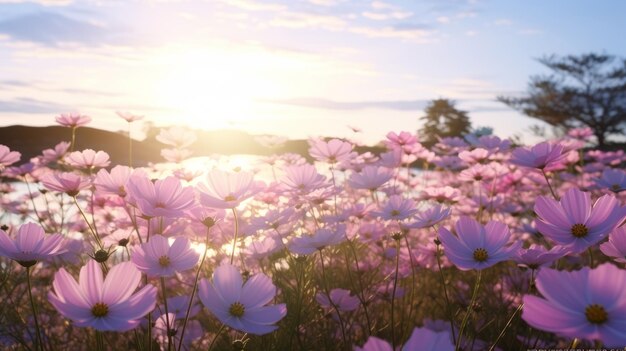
(471, 244)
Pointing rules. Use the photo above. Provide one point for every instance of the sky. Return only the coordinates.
(295, 68)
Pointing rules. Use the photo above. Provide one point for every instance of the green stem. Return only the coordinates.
(216, 336)
(469, 310)
(99, 341)
(32, 305)
(167, 316)
(93, 232)
(130, 148)
(232, 254)
(332, 303)
(445, 293)
(549, 186)
(195, 288)
(508, 324)
(393, 296)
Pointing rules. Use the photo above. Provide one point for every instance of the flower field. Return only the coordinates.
(485, 246)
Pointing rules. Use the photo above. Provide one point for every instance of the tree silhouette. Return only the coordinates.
(586, 90)
(443, 120)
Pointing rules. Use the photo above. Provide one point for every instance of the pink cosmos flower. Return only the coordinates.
(612, 179)
(129, 117)
(580, 133)
(544, 155)
(88, 159)
(477, 246)
(370, 178)
(430, 217)
(333, 151)
(308, 244)
(588, 304)
(163, 198)
(341, 298)
(177, 137)
(176, 155)
(397, 208)
(421, 339)
(573, 222)
(303, 178)
(242, 306)
(31, 244)
(8, 157)
(66, 182)
(157, 258)
(103, 304)
(616, 246)
(54, 155)
(73, 120)
(537, 256)
(400, 140)
(446, 194)
(115, 181)
(226, 189)
(478, 155)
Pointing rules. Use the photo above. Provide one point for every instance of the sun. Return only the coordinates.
(215, 88)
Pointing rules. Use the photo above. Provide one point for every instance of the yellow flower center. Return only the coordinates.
(481, 255)
(236, 309)
(230, 198)
(395, 213)
(100, 310)
(579, 230)
(164, 261)
(596, 314)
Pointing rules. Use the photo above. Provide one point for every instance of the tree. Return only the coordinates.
(586, 90)
(443, 120)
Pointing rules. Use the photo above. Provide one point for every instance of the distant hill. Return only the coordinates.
(30, 141)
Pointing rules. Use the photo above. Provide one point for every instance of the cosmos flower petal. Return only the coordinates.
(543, 315)
(91, 281)
(120, 283)
(577, 205)
(227, 281)
(551, 284)
(265, 315)
(550, 210)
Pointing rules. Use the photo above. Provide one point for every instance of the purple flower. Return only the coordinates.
(308, 244)
(158, 258)
(165, 197)
(340, 298)
(422, 339)
(612, 179)
(430, 217)
(8, 157)
(103, 304)
(31, 245)
(536, 256)
(242, 306)
(544, 155)
(588, 304)
(73, 120)
(573, 222)
(475, 246)
(370, 178)
(66, 182)
(616, 246)
(332, 151)
(226, 189)
(397, 208)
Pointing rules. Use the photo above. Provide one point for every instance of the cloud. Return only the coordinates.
(503, 22)
(378, 16)
(28, 105)
(40, 2)
(529, 31)
(51, 28)
(398, 105)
